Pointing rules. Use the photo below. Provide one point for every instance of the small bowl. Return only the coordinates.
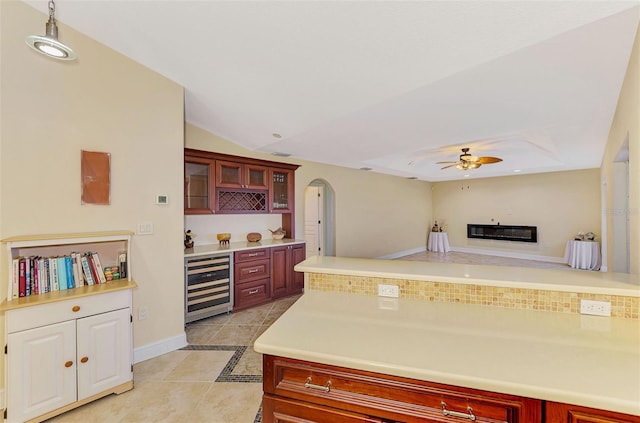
(277, 236)
(224, 236)
(254, 237)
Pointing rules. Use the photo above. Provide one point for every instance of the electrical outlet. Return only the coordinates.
(143, 313)
(388, 291)
(595, 308)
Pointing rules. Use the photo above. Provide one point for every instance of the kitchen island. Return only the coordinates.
(500, 344)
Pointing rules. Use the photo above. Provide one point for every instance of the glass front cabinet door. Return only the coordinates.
(281, 198)
(198, 186)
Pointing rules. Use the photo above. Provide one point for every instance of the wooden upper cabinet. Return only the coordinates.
(199, 187)
(241, 175)
(281, 192)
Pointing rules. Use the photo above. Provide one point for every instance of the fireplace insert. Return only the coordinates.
(503, 232)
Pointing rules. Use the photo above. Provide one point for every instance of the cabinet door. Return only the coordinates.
(199, 190)
(565, 413)
(41, 370)
(229, 174)
(104, 352)
(255, 177)
(280, 410)
(281, 191)
(298, 254)
(280, 264)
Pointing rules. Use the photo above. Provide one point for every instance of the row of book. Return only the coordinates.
(38, 275)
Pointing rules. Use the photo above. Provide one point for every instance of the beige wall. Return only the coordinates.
(376, 214)
(102, 102)
(560, 204)
(626, 123)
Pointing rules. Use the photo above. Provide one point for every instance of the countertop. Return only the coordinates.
(201, 250)
(569, 280)
(577, 359)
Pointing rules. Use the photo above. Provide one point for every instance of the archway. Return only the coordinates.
(319, 218)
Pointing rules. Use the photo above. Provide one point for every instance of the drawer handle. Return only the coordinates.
(254, 291)
(252, 255)
(253, 271)
(84, 359)
(75, 309)
(468, 415)
(310, 385)
(68, 364)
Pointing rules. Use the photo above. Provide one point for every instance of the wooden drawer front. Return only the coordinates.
(279, 410)
(60, 311)
(565, 413)
(391, 397)
(251, 255)
(250, 271)
(253, 293)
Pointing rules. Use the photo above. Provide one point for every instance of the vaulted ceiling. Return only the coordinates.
(395, 86)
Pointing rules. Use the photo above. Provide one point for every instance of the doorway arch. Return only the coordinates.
(319, 218)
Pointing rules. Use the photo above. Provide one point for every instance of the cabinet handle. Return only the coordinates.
(254, 291)
(252, 255)
(468, 415)
(253, 271)
(310, 385)
(68, 364)
(75, 309)
(84, 359)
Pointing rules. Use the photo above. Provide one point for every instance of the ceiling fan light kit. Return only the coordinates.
(468, 162)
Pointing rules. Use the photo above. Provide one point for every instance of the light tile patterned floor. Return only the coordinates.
(217, 378)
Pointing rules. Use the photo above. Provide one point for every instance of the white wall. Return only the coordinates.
(101, 102)
(560, 204)
(376, 215)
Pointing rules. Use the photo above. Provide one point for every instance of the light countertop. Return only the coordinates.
(569, 280)
(577, 359)
(201, 250)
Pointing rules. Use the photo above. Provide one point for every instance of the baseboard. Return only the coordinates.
(509, 254)
(156, 349)
(403, 253)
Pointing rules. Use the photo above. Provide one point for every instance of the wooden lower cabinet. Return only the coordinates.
(565, 413)
(284, 280)
(294, 391)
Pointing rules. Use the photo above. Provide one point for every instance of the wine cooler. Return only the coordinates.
(208, 286)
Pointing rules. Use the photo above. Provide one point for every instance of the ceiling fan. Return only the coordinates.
(467, 161)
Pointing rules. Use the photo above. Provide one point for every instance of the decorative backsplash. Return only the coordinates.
(516, 298)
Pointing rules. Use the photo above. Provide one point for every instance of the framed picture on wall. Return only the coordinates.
(96, 177)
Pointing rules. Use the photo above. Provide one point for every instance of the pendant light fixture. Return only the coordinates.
(48, 44)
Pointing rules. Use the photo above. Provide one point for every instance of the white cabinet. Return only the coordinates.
(67, 348)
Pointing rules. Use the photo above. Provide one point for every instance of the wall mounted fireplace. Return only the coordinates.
(503, 232)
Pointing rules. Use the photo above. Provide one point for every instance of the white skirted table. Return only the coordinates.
(583, 254)
(438, 242)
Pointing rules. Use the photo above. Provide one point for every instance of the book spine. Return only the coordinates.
(69, 268)
(15, 280)
(122, 264)
(86, 269)
(56, 280)
(47, 277)
(36, 276)
(98, 266)
(22, 284)
(27, 269)
(77, 273)
(92, 266)
(62, 274)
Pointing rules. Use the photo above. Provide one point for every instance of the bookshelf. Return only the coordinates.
(69, 347)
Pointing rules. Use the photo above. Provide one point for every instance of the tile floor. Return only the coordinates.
(217, 378)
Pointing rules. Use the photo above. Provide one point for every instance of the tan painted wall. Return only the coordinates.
(102, 102)
(560, 204)
(376, 214)
(626, 122)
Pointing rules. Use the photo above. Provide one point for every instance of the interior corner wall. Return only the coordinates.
(560, 204)
(375, 214)
(51, 110)
(626, 123)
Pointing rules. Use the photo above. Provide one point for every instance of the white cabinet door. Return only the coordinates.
(41, 370)
(104, 352)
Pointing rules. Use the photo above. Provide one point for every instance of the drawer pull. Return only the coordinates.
(253, 271)
(310, 385)
(252, 255)
(254, 291)
(84, 359)
(68, 364)
(468, 415)
(75, 309)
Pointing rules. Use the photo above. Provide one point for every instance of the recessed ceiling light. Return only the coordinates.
(276, 135)
(279, 154)
(365, 168)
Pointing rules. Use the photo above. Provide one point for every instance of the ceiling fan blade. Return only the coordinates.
(451, 165)
(488, 160)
